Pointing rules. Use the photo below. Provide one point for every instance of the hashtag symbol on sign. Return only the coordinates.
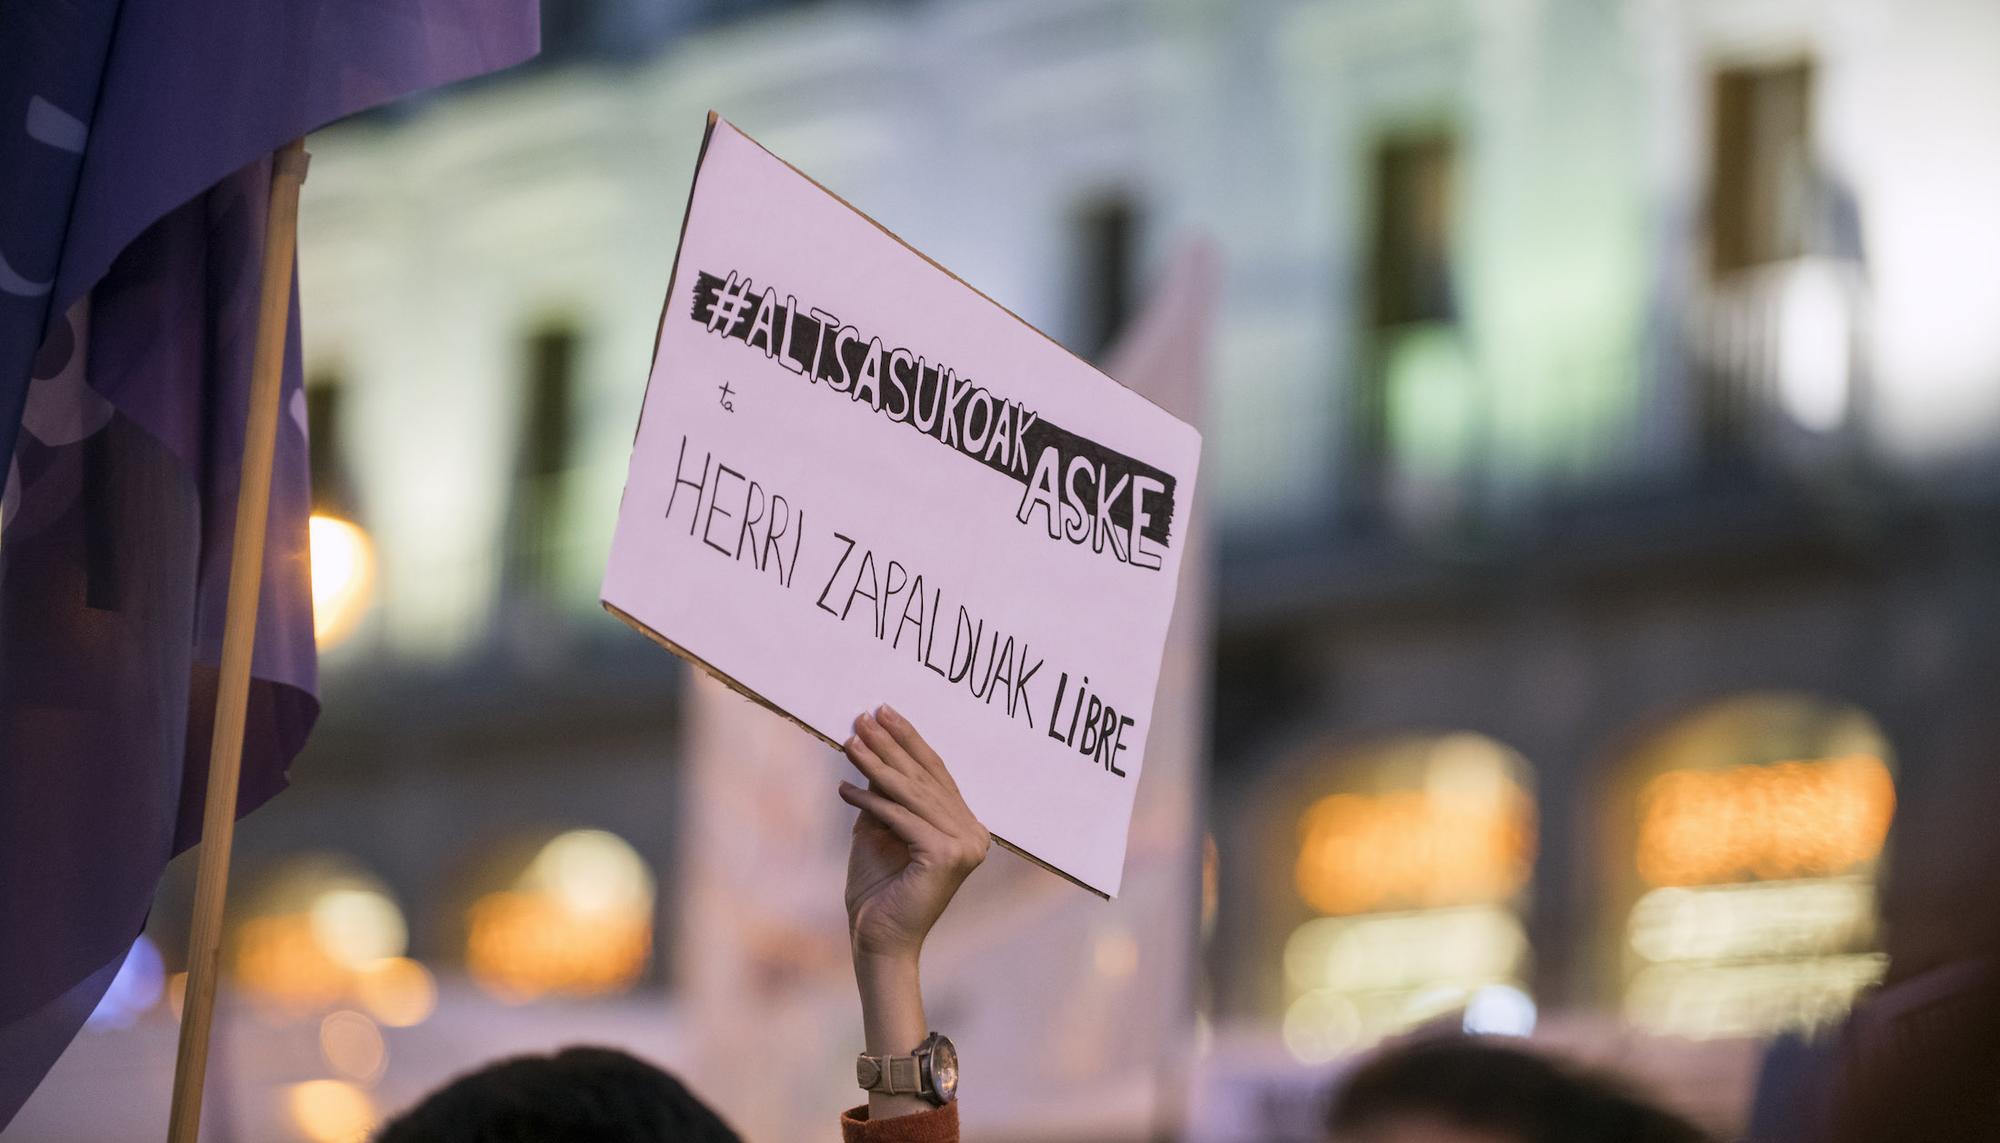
(730, 302)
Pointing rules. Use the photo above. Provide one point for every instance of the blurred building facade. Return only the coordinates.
(1607, 417)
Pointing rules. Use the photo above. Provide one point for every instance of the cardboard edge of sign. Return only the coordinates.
(673, 276)
(711, 671)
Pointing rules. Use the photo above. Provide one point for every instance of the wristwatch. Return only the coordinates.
(930, 1072)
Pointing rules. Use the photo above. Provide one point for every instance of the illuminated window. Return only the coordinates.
(331, 1111)
(575, 920)
(1418, 865)
(1756, 830)
(319, 934)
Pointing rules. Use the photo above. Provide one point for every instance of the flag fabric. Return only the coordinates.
(136, 139)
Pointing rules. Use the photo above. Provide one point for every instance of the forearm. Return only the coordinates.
(892, 1021)
(915, 841)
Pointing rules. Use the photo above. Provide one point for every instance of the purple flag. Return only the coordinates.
(136, 141)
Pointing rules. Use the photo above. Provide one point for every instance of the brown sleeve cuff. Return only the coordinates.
(940, 1126)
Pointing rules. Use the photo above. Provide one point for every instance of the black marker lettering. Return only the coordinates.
(866, 572)
(902, 376)
(869, 378)
(931, 643)
(1002, 438)
(751, 520)
(1123, 722)
(827, 324)
(679, 480)
(893, 581)
(761, 323)
(715, 506)
(785, 357)
(916, 598)
(836, 571)
(1025, 703)
(781, 518)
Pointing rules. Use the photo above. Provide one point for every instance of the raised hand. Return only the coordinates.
(914, 844)
(915, 841)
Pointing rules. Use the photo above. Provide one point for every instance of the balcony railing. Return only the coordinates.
(1775, 357)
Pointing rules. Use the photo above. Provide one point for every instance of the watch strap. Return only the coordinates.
(890, 1075)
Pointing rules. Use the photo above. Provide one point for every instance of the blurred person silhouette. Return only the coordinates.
(578, 1095)
(1919, 1056)
(1475, 1090)
(914, 844)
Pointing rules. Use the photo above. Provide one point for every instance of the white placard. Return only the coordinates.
(858, 480)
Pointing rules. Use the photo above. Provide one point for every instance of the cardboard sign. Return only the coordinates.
(858, 480)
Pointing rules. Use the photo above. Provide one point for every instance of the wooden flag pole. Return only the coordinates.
(239, 639)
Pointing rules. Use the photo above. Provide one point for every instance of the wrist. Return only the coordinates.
(884, 963)
(892, 1019)
(892, 1004)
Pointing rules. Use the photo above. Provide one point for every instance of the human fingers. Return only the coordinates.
(908, 827)
(886, 780)
(919, 788)
(913, 744)
(877, 737)
(927, 787)
(951, 814)
(960, 852)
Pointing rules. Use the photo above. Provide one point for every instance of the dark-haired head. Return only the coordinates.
(1466, 1090)
(579, 1095)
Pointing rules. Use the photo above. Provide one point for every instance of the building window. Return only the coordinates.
(1408, 411)
(319, 934)
(1761, 168)
(1412, 228)
(1107, 240)
(576, 919)
(546, 439)
(1411, 865)
(332, 487)
(1774, 326)
(342, 554)
(1755, 833)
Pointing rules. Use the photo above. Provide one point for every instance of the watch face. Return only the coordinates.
(944, 1069)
